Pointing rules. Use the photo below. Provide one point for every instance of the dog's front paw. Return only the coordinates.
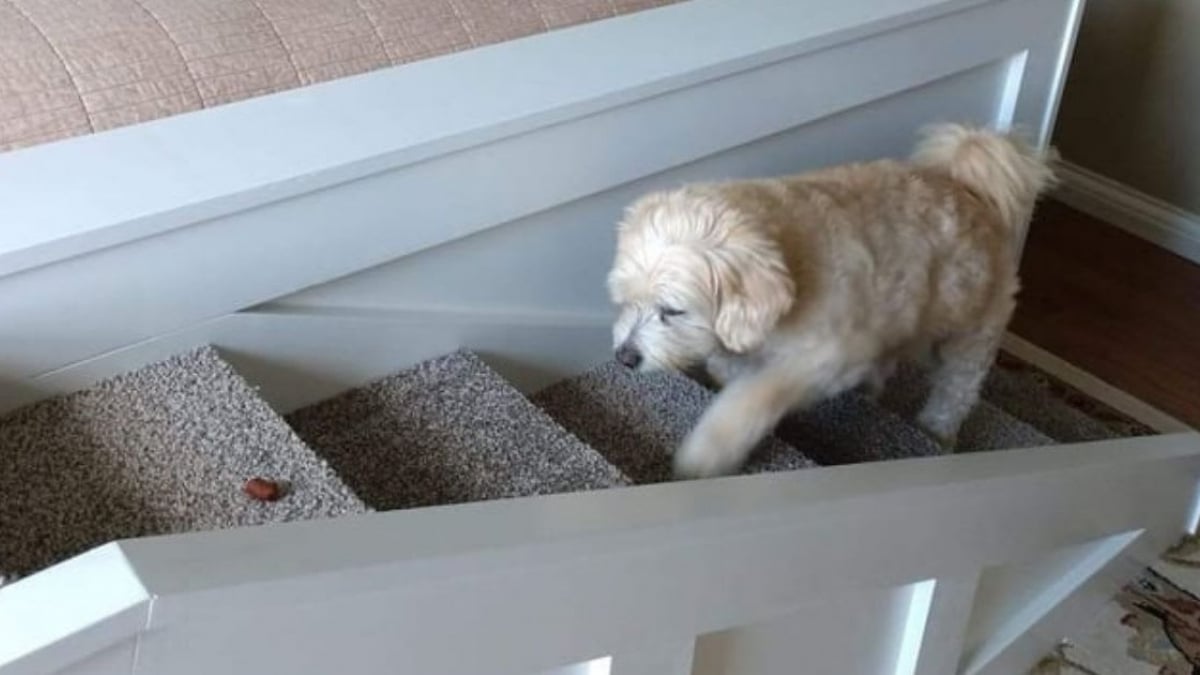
(947, 443)
(702, 458)
(945, 435)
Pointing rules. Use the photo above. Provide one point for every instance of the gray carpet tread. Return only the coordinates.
(449, 430)
(164, 449)
(637, 420)
(1023, 396)
(987, 427)
(850, 429)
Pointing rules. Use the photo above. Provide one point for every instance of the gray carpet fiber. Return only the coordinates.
(165, 449)
(987, 427)
(851, 429)
(448, 430)
(1024, 397)
(638, 420)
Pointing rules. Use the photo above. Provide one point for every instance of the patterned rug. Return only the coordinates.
(1152, 626)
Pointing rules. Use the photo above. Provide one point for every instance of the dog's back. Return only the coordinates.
(903, 248)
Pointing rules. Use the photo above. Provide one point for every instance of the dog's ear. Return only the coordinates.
(753, 288)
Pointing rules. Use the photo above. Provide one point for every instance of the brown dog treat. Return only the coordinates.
(263, 490)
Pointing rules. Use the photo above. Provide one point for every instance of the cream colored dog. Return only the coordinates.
(794, 289)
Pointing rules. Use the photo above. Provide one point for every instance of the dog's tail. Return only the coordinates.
(1002, 168)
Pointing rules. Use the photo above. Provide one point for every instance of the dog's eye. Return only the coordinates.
(665, 313)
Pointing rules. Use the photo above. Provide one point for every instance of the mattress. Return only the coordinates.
(73, 67)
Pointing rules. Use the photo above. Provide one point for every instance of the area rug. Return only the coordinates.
(1152, 627)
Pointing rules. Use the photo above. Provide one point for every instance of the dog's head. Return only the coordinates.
(693, 276)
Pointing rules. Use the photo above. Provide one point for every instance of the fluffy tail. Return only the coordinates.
(999, 167)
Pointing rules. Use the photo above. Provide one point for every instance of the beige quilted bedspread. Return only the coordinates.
(72, 67)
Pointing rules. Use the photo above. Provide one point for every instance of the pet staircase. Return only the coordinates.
(438, 521)
(168, 449)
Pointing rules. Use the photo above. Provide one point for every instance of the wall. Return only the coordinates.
(1131, 109)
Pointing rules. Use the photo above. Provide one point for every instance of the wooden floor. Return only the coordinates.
(1115, 305)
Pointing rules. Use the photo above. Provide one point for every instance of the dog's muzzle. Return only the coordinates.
(629, 356)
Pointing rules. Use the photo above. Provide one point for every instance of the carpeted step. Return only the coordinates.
(446, 431)
(165, 449)
(637, 420)
(1027, 394)
(986, 428)
(850, 429)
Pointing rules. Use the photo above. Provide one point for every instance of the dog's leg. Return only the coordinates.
(963, 363)
(723, 368)
(877, 379)
(740, 416)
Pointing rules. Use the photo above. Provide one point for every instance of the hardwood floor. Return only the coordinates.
(1115, 305)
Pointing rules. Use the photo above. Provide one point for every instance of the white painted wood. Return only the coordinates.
(912, 633)
(371, 123)
(558, 258)
(1093, 386)
(1136, 212)
(825, 635)
(92, 281)
(598, 666)
(1012, 600)
(1055, 73)
(295, 359)
(937, 650)
(531, 584)
(120, 659)
(668, 658)
(77, 611)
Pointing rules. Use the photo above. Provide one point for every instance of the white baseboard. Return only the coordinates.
(1093, 386)
(1135, 212)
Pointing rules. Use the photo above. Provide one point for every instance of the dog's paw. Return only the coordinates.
(947, 443)
(700, 458)
(947, 439)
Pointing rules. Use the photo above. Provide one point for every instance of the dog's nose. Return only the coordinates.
(629, 356)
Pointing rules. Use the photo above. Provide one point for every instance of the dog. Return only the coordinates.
(786, 291)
